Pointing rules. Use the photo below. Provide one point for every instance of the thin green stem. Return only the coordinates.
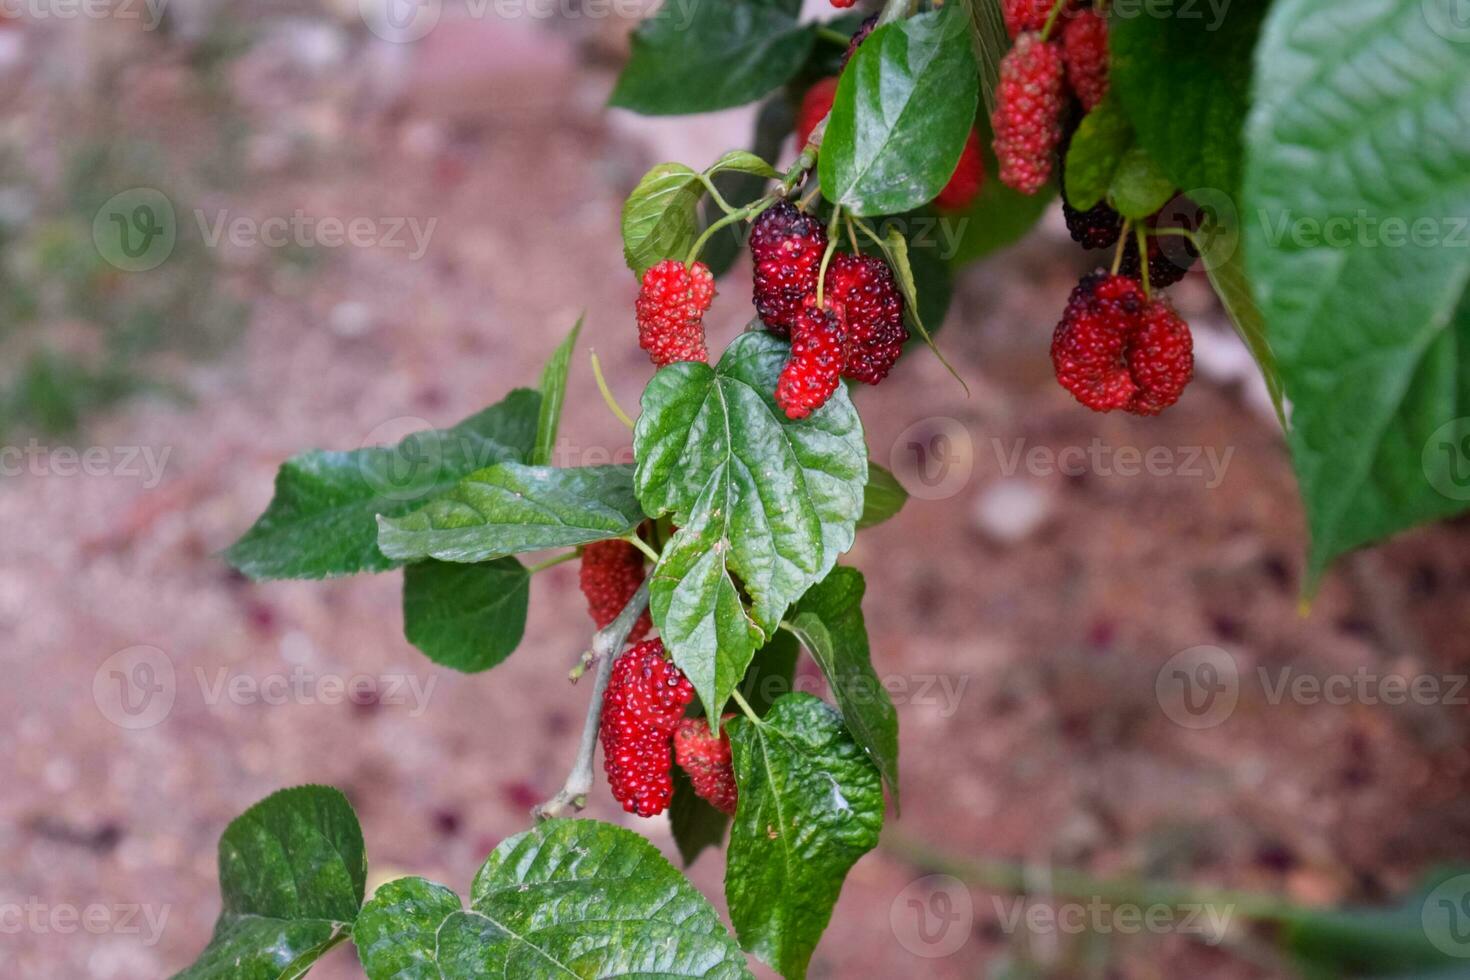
(1051, 19)
(1122, 244)
(551, 562)
(1142, 238)
(745, 707)
(851, 234)
(709, 185)
(832, 240)
(743, 214)
(607, 395)
(642, 546)
(836, 37)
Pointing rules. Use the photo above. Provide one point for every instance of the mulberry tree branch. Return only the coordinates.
(606, 644)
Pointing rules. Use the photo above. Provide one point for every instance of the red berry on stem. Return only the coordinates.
(1028, 112)
(707, 760)
(1025, 15)
(1085, 51)
(1114, 348)
(670, 311)
(645, 699)
(611, 572)
(1160, 358)
(815, 368)
(786, 246)
(863, 289)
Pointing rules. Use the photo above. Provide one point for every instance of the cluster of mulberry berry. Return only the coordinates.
(670, 310)
(707, 761)
(610, 573)
(644, 702)
(1118, 348)
(969, 173)
(856, 332)
(1052, 54)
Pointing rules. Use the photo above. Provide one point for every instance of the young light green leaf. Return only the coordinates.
(754, 494)
(1350, 128)
(468, 617)
(512, 508)
(322, 521)
(1103, 136)
(1183, 75)
(659, 217)
(896, 247)
(829, 622)
(704, 55)
(883, 497)
(573, 898)
(904, 108)
(554, 396)
(810, 805)
(1139, 187)
(292, 870)
(744, 162)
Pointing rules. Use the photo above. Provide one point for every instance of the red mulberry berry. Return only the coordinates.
(967, 179)
(843, 4)
(786, 246)
(645, 698)
(862, 289)
(858, 37)
(611, 572)
(1085, 51)
(1028, 110)
(1160, 358)
(1115, 349)
(815, 104)
(1025, 15)
(815, 368)
(670, 310)
(707, 760)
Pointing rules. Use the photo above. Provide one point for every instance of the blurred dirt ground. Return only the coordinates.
(1022, 615)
